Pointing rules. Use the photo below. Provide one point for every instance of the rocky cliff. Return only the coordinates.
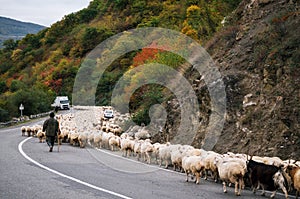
(257, 53)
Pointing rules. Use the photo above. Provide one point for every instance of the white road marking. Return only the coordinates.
(93, 186)
(66, 176)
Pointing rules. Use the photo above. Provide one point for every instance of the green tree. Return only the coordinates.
(10, 44)
(4, 116)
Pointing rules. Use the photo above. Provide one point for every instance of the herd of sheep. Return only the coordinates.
(230, 168)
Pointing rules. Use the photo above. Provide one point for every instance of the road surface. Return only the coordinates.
(28, 170)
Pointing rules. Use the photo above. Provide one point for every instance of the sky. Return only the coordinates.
(42, 12)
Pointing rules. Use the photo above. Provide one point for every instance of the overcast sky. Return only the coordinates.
(42, 12)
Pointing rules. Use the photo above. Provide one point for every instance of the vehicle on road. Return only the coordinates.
(108, 113)
(61, 102)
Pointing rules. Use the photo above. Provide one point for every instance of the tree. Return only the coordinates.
(10, 44)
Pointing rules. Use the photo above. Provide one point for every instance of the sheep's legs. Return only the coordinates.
(238, 187)
(284, 191)
(197, 178)
(187, 176)
(205, 174)
(273, 194)
(224, 187)
(263, 191)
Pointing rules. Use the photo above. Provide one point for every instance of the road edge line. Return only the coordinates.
(64, 175)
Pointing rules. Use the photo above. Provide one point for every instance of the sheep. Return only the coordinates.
(105, 139)
(104, 127)
(114, 141)
(156, 147)
(127, 145)
(269, 177)
(73, 137)
(28, 131)
(142, 134)
(176, 159)
(232, 172)
(90, 139)
(146, 149)
(178, 154)
(117, 130)
(35, 129)
(165, 153)
(193, 165)
(41, 135)
(294, 172)
(62, 136)
(209, 165)
(198, 152)
(23, 130)
(82, 139)
(137, 148)
(98, 139)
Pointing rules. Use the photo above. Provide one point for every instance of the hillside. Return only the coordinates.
(13, 29)
(256, 50)
(258, 55)
(43, 65)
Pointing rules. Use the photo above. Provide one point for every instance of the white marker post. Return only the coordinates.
(21, 109)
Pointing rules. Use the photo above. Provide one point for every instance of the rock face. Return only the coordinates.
(258, 55)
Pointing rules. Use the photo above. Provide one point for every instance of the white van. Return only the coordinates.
(61, 102)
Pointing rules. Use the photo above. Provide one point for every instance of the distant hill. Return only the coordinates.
(13, 29)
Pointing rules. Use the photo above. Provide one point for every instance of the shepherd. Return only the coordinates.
(51, 127)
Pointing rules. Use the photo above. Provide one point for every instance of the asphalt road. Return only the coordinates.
(28, 170)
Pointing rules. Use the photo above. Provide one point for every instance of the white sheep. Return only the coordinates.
(63, 136)
(41, 135)
(137, 148)
(156, 147)
(73, 138)
(179, 153)
(165, 153)
(114, 141)
(82, 139)
(98, 139)
(209, 165)
(142, 134)
(146, 150)
(127, 145)
(230, 172)
(35, 129)
(105, 139)
(90, 139)
(193, 165)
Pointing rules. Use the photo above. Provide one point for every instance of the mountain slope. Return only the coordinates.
(47, 62)
(13, 29)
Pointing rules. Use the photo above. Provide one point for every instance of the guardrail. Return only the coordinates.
(23, 119)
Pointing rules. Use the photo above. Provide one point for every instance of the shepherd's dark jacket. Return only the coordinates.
(51, 127)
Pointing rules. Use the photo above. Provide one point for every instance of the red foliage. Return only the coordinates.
(148, 53)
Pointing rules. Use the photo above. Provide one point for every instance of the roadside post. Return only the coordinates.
(21, 109)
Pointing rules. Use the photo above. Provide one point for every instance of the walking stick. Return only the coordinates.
(58, 144)
(58, 141)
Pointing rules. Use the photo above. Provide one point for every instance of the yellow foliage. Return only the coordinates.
(15, 54)
(192, 10)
